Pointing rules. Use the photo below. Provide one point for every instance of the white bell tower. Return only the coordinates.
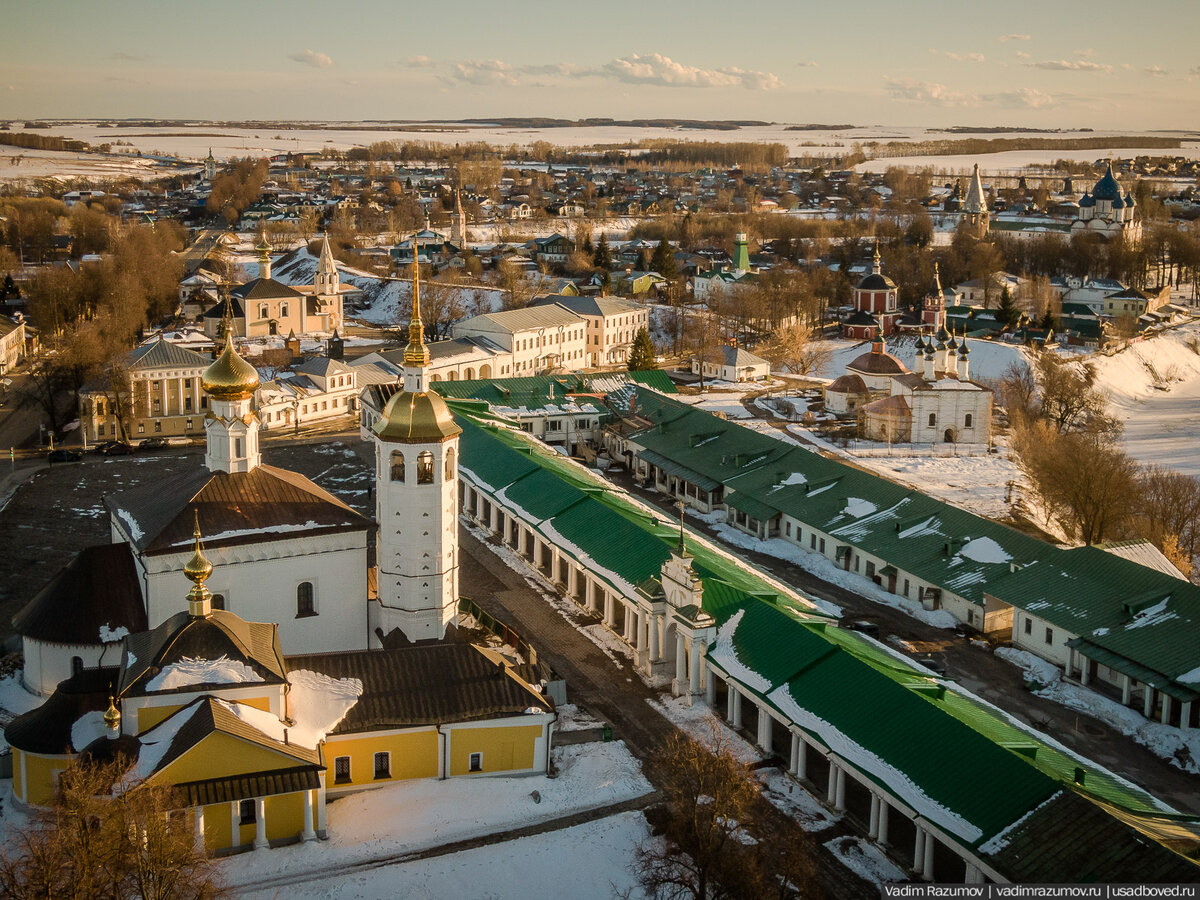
(231, 427)
(416, 489)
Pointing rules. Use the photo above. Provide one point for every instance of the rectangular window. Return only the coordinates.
(100, 430)
(812, 541)
(905, 587)
(341, 770)
(158, 425)
(870, 569)
(787, 526)
(247, 813)
(822, 545)
(1028, 626)
(141, 427)
(1049, 635)
(188, 426)
(383, 765)
(476, 762)
(187, 404)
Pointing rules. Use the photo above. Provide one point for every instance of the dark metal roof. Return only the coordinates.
(1070, 840)
(235, 508)
(47, 729)
(217, 310)
(256, 644)
(245, 787)
(424, 685)
(877, 364)
(99, 587)
(207, 715)
(264, 289)
(876, 282)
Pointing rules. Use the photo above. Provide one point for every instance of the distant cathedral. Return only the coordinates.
(1105, 212)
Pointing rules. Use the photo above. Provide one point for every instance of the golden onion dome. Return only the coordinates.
(112, 715)
(230, 377)
(416, 417)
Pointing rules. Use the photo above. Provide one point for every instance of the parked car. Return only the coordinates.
(117, 448)
(102, 447)
(934, 665)
(152, 443)
(871, 629)
(63, 456)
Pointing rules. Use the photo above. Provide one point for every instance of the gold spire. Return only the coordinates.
(416, 353)
(112, 718)
(197, 569)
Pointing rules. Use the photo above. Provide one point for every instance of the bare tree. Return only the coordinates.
(102, 840)
(797, 349)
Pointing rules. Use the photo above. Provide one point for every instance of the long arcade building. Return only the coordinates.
(944, 781)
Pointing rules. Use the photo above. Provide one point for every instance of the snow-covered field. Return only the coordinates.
(20, 164)
(1012, 162)
(418, 815)
(975, 483)
(587, 861)
(1154, 388)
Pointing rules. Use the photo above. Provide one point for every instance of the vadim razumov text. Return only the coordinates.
(1020, 891)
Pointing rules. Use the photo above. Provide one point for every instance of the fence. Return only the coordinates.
(491, 624)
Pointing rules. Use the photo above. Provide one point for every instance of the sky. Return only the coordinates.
(1051, 63)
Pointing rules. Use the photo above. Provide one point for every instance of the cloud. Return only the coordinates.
(1065, 65)
(484, 71)
(1086, 52)
(660, 70)
(906, 90)
(1021, 54)
(1014, 37)
(129, 57)
(964, 57)
(1025, 98)
(312, 58)
(809, 64)
(1156, 71)
(419, 62)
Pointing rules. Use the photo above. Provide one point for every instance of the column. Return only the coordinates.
(1085, 669)
(919, 853)
(630, 624)
(309, 833)
(881, 835)
(1148, 701)
(831, 783)
(179, 394)
(1185, 714)
(694, 675)
(653, 636)
(972, 875)
(735, 707)
(165, 399)
(680, 659)
(199, 826)
(573, 582)
(260, 823)
(927, 869)
(641, 631)
(799, 756)
(589, 592)
(1126, 689)
(764, 728)
(710, 689)
(839, 800)
(873, 828)
(1166, 709)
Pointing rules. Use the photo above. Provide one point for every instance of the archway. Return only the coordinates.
(468, 374)
(949, 436)
(485, 371)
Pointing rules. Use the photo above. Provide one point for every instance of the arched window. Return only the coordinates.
(283, 311)
(449, 463)
(397, 466)
(264, 311)
(967, 423)
(932, 419)
(424, 467)
(218, 601)
(305, 606)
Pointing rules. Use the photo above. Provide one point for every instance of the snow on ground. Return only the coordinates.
(1154, 388)
(865, 860)
(975, 483)
(572, 718)
(15, 700)
(989, 359)
(825, 568)
(589, 860)
(1180, 748)
(417, 815)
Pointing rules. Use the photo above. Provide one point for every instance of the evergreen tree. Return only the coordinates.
(641, 354)
(1008, 312)
(602, 257)
(1049, 322)
(663, 261)
(643, 264)
(586, 245)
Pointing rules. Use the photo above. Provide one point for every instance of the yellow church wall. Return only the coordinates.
(218, 827)
(414, 754)
(285, 815)
(504, 748)
(37, 773)
(149, 716)
(222, 756)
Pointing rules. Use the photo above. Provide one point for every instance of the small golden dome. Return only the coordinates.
(229, 377)
(112, 715)
(416, 418)
(198, 568)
